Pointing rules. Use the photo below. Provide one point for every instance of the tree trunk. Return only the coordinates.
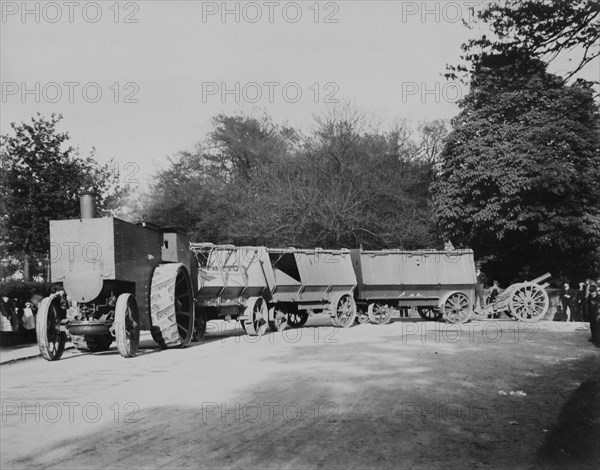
(26, 270)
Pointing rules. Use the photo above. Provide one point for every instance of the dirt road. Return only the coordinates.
(409, 394)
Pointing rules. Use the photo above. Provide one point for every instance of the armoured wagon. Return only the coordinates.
(272, 287)
(439, 284)
(118, 278)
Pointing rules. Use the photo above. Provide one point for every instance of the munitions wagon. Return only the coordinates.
(118, 278)
(439, 284)
(276, 287)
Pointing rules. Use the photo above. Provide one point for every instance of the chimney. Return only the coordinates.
(87, 205)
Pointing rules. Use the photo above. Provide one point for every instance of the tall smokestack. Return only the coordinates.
(87, 205)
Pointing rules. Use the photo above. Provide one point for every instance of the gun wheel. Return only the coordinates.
(529, 302)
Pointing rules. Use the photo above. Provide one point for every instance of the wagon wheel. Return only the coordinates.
(457, 307)
(280, 318)
(379, 314)
(51, 340)
(344, 311)
(127, 325)
(361, 317)
(256, 311)
(430, 313)
(529, 302)
(297, 319)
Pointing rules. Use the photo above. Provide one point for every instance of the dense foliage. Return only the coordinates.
(343, 185)
(520, 171)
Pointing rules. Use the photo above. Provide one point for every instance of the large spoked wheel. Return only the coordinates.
(256, 311)
(297, 319)
(279, 313)
(430, 313)
(380, 314)
(172, 305)
(457, 307)
(529, 302)
(127, 325)
(51, 340)
(344, 311)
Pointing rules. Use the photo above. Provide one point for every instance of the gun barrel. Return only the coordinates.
(542, 278)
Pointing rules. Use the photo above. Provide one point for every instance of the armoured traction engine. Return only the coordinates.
(118, 278)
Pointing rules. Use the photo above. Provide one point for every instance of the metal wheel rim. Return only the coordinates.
(457, 308)
(345, 311)
(529, 302)
(379, 313)
(53, 333)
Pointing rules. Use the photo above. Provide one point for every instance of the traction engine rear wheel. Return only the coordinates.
(51, 340)
(127, 325)
(171, 306)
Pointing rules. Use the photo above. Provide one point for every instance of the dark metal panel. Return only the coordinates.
(138, 251)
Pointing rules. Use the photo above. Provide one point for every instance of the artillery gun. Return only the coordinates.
(526, 301)
(118, 278)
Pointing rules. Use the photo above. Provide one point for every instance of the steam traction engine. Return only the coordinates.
(118, 278)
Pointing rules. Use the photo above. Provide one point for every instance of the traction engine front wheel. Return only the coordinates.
(51, 340)
(127, 325)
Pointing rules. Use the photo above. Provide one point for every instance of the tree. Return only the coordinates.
(540, 29)
(349, 185)
(520, 172)
(342, 185)
(41, 179)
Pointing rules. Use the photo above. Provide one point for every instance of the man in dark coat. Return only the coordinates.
(594, 315)
(480, 287)
(567, 296)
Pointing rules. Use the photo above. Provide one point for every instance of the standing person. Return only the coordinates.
(566, 299)
(28, 320)
(494, 292)
(480, 287)
(581, 302)
(594, 315)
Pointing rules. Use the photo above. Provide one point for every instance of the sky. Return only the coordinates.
(140, 81)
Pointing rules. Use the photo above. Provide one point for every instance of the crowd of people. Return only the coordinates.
(17, 324)
(581, 304)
